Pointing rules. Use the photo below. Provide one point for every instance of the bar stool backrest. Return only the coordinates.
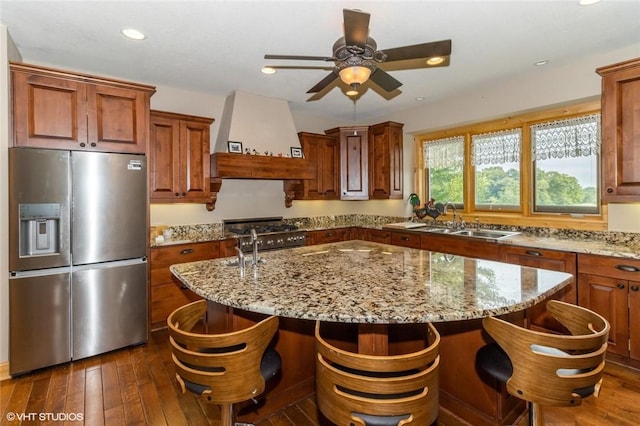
(222, 368)
(358, 389)
(554, 369)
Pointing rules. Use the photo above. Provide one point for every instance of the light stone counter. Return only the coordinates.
(364, 282)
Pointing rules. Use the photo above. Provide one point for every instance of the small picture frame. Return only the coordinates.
(234, 147)
(296, 152)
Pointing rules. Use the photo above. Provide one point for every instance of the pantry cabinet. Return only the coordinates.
(621, 131)
(324, 152)
(385, 161)
(371, 161)
(62, 110)
(354, 162)
(179, 164)
(537, 316)
(610, 286)
(167, 292)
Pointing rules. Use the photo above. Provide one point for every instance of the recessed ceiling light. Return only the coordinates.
(588, 2)
(268, 70)
(420, 98)
(541, 63)
(436, 60)
(133, 34)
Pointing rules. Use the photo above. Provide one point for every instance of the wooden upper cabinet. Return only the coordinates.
(385, 161)
(621, 131)
(179, 165)
(60, 110)
(370, 161)
(324, 152)
(354, 162)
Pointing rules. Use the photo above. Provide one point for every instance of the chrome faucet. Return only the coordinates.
(240, 258)
(254, 242)
(455, 215)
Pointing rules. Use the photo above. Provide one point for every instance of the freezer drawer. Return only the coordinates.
(109, 308)
(39, 320)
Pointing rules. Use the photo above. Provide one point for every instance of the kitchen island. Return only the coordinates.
(384, 291)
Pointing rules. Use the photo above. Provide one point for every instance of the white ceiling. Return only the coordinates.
(216, 47)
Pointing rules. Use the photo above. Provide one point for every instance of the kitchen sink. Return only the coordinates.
(435, 229)
(485, 234)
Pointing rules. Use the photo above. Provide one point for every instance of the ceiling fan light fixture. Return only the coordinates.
(268, 70)
(435, 60)
(353, 91)
(357, 74)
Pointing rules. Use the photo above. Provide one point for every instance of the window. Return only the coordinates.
(496, 158)
(444, 164)
(538, 168)
(565, 154)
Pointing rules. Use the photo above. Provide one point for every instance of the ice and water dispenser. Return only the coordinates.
(39, 229)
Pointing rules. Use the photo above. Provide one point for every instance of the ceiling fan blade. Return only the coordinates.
(323, 83)
(298, 67)
(329, 87)
(380, 91)
(384, 80)
(301, 57)
(424, 50)
(356, 28)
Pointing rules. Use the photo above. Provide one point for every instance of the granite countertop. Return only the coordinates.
(605, 244)
(364, 282)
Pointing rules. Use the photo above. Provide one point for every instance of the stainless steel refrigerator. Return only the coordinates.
(77, 257)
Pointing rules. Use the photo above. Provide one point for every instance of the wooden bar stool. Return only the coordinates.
(224, 368)
(548, 369)
(373, 390)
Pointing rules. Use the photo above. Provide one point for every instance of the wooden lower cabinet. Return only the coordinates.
(377, 236)
(167, 293)
(329, 236)
(405, 239)
(610, 286)
(537, 317)
(461, 246)
(465, 398)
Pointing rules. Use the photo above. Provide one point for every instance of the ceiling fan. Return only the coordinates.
(357, 60)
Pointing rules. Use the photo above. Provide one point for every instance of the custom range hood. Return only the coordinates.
(255, 141)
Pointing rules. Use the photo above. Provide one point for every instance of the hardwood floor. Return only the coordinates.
(136, 386)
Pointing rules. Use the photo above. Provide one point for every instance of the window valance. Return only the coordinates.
(574, 137)
(447, 152)
(496, 147)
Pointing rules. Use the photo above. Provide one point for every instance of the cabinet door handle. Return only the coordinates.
(93, 144)
(609, 190)
(404, 238)
(82, 144)
(533, 253)
(187, 251)
(620, 286)
(627, 268)
(634, 288)
(329, 234)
